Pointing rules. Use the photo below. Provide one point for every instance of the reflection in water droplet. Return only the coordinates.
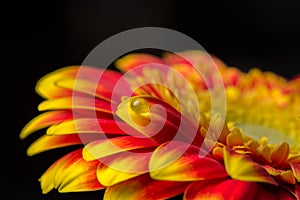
(140, 106)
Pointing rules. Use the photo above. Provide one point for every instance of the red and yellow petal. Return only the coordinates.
(242, 167)
(47, 87)
(102, 148)
(154, 118)
(221, 189)
(122, 166)
(143, 187)
(44, 120)
(71, 173)
(136, 60)
(177, 161)
(101, 83)
(76, 103)
(91, 125)
(47, 142)
(86, 87)
(281, 175)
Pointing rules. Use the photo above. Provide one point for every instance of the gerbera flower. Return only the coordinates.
(148, 139)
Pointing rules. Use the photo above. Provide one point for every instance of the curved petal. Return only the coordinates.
(143, 187)
(75, 103)
(91, 125)
(225, 189)
(122, 166)
(44, 120)
(180, 162)
(131, 61)
(101, 148)
(105, 85)
(281, 175)
(157, 120)
(242, 167)
(71, 174)
(86, 87)
(280, 153)
(47, 88)
(296, 170)
(47, 142)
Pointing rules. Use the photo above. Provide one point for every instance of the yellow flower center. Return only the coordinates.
(264, 112)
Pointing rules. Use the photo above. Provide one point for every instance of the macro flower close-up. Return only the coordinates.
(153, 128)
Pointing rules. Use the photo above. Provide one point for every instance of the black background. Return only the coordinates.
(38, 37)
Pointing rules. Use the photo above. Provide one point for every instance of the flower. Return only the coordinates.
(150, 132)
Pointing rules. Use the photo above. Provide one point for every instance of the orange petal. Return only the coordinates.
(71, 174)
(106, 147)
(46, 142)
(47, 87)
(178, 161)
(44, 120)
(280, 153)
(281, 175)
(242, 167)
(121, 167)
(75, 103)
(131, 61)
(221, 189)
(287, 176)
(235, 138)
(143, 187)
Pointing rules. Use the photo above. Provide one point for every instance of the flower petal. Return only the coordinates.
(101, 148)
(143, 187)
(234, 138)
(75, 103)
(178, 161)
(86, 87)
(221, 189)
(281, 175)
(47, 88)
(44, 120)
(131, 61)
(47, 142)
(71, 174)
(121, 167)
(264, 193)
(242, 167)
(105, 85)
(297, 191)
(154, 118)
(91, 125)
(296, 170)
(280, 153)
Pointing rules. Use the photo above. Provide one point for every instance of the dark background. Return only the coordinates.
(38, 37)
